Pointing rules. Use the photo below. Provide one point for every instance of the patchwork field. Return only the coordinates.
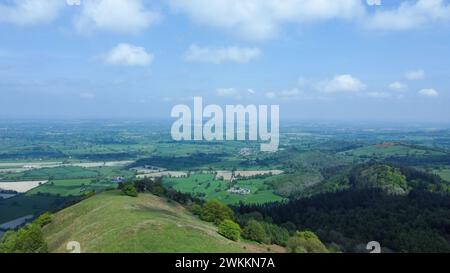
(62, 185)
(205, 185)
(70, 187)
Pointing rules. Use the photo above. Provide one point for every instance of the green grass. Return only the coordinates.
(70, 187)
(110, 222)
(205, 184)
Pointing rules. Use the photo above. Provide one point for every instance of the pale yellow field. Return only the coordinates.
(225, 175)
(22, 186)
(228, 175)
(15, 167)
(161, 174)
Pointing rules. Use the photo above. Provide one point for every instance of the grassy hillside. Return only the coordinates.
(110, 222)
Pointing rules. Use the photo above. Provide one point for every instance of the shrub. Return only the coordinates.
(129, 190)
(44, 219)
(306, 241)
(230, 230)
(196, 209)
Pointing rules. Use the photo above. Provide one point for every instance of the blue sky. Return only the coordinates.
(318, 59)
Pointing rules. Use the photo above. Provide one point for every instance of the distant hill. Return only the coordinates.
(381, 176)
(110, 222)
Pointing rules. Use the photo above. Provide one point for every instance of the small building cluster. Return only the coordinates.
(240, 191)
(118, 179)
(245, 152)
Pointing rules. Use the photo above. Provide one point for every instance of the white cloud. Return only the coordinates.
(219, 55)
(294, 94)
(234, 93)
(398, 86)
(374, 2)
(429, 92)
(128, 55)
(261, 19)
(129, 16)
(227, 92)
(341, 83)
(291, 93)
(30, 12)
(411, 15)
(415, 75)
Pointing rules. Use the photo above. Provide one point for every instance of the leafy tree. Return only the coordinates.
(26, 240)
(275, 234)
(158, 191)
(230, 230)
(196, 209)
(214, 211)
(255, 231)
(376, 205)
(44, 219)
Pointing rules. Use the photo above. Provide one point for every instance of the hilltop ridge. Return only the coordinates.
(110, 222)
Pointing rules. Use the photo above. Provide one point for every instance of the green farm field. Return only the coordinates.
(204, 185)
(70, 187)
(23, 205)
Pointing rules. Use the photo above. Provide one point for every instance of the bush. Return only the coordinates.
(306, 241)
(230, 230)
(216, 212)
(129, 190)
(44, 219)
(255, 231)
(158, 191)
(26, 240)
(196, 209)
(276, 234)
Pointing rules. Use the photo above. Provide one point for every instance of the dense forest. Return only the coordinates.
(414, 219)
